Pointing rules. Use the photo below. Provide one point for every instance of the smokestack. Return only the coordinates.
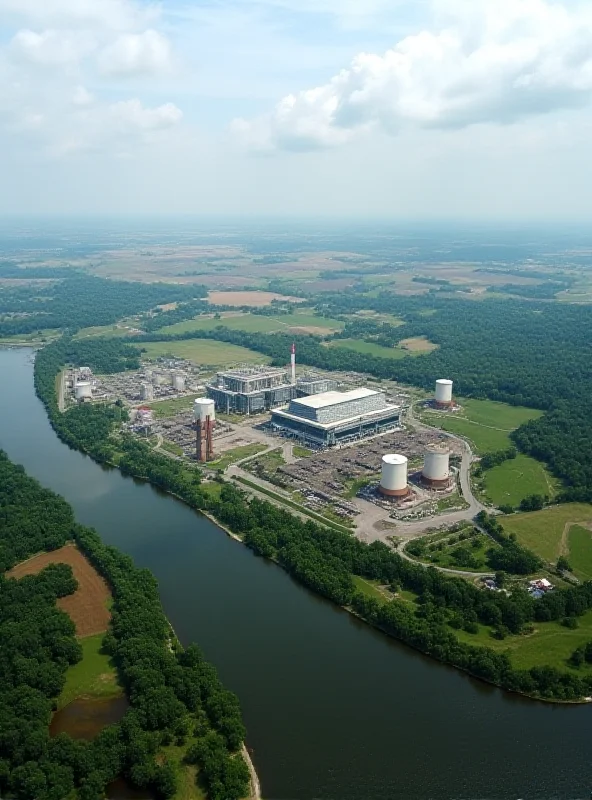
(293, 362)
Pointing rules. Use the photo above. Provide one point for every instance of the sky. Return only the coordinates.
(391, 109)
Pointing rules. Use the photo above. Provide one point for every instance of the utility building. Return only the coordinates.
(251, 390)
(315, 384)
(332, 418)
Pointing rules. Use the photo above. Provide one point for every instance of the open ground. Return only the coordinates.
(205, 352)
(547, 532)
(88, 606)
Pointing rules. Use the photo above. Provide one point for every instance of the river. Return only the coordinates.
(334, 710)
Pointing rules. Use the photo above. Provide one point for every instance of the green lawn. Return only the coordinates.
(541, 531)
(368, 588)
(205, 352)
(551, 644)
(483, 440)
(580, 552)
(170, 408)
(94, 676)
(369, 348)
(237, 454)
(171, 447)
(107, 331)
(301, 452)
(498, 415)
(187, 788)
(518, 478)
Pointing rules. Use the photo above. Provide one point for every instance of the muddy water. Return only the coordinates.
(83, 719)
(334, 710)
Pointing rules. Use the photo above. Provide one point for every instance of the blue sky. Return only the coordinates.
(390, 108)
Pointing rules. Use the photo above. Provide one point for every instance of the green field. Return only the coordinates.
(170, 408)
(542, 531)
(237, 454)
(107, 331)
(205, 352)
(518, 478)
(255, 323)
(551, 644)
(580, 552)
(93, 677)
(369, 348)
(485, 423)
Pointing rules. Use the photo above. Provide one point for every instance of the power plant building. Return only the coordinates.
(251, 390)
(332, 418)
(314, 384)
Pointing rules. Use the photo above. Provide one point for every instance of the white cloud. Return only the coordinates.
(82, 97)
(52, 47)
(131, 115)
(136, 54)
(111, 14)
(496, 61)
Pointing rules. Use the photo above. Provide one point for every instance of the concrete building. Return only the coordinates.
(314, 384)
(332, 418)
(251, 390)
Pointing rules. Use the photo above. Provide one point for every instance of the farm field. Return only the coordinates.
(205, 352)
(580, 551)
(108, 331)
(88, 606)
(518, 478)
(369, 348)
(93, 677)
(254, 323)
(543, 531)
(419, 344)
(253, 299)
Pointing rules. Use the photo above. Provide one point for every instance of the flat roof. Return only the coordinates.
(327, 426)
(334, 398)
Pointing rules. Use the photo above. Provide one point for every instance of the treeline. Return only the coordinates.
(175, 695)
(497, 457)
(510, 556)
(80, 301)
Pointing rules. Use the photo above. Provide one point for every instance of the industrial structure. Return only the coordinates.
(393, 482)
(251, 390)
(443, 396)
(436, 467)
(314, 384)
(147, 391)
(205, 419)
(332, 418)
(178, 381)
(83, 390)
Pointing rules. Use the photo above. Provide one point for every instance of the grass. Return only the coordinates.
(580, 552)
(541, 531)
(358, 483)
(255, 323)
(369, 348)
(483, 440)
(518, 478)
(107, 331)
(418, 344)
(301, 452)
(237, 454)
(296, 506)
(171, 447)
(452, 501)
(368, 588)
(204, 351)
(187, 788)
(93, 677)
(550, 645)
(170, 408)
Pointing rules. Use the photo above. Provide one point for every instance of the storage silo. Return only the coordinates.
(436, 467)
(203, 408)
(393, 482)
(179, 382)
(147, 391)
(443, 398)
(83, 390)
(159, 379)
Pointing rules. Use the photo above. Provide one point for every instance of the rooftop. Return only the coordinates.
(334, 398)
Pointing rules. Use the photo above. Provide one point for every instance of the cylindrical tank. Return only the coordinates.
(147, 391)
(83, 390)
(436, 467)
(203, 408)
(179, 383)
(443, 393)
(158, 379)
(393, 482)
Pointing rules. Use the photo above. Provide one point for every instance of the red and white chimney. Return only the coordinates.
(293, 363)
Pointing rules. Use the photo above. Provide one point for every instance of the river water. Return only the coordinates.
(334, 710)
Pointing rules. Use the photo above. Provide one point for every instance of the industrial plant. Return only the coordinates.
(393, 480)
(205, 419)
(332, 418)
(251, 390)
(436, 467)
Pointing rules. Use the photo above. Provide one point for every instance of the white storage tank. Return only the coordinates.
(436, 468)
(443, 393)
(83, 390)
(147, 391)
(158, 379)
(393, 482)
(203, 408)
(179, 383)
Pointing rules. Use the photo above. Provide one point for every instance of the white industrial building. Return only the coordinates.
(332, 418)
(443, 396)
(83, 390)
(251, 390)
(436, 467)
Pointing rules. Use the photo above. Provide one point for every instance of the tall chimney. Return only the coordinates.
(293, 362)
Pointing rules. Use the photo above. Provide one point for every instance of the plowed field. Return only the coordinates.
(87, 607)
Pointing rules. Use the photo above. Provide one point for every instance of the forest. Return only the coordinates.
(175, 695)
(518, 352)
(327, 561)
